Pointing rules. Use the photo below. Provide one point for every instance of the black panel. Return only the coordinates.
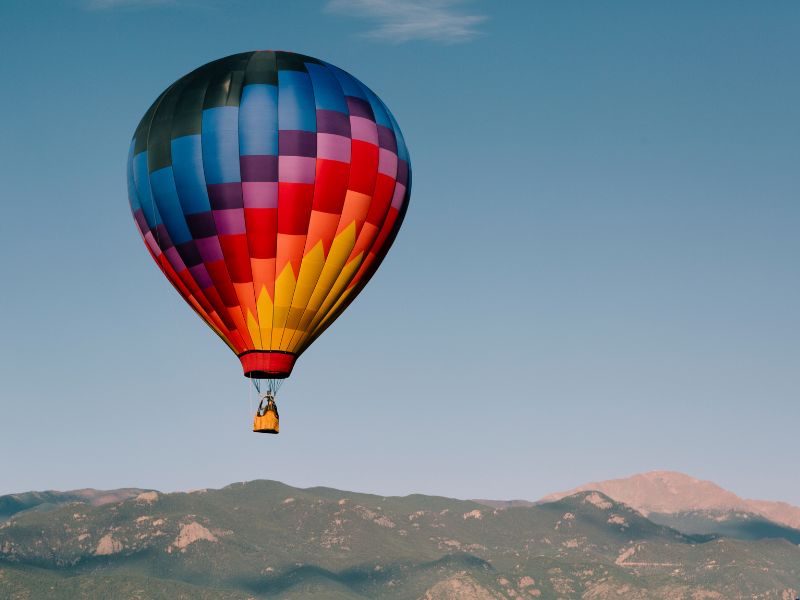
(307, 59)
(288, 61)
(188, 116)
(225, 78)
(235, 89)
(159, 149)
(140, 135)
(262, 68)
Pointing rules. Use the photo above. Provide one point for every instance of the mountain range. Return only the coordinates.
(656, 535)
(668, 492)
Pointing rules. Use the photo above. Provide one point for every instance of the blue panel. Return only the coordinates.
(141, 178)
(350, 84)
(402, 151)
(258, 120)
(220, 141)
(378, 108)
(133, 197)
(169, 207)
(296, 109)
(187, 166)
(328, 94)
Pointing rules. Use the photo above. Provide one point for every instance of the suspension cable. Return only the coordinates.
(267, 385)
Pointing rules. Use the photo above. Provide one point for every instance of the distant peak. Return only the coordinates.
(672, 492)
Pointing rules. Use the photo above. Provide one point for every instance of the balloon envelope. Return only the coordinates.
(268, 187)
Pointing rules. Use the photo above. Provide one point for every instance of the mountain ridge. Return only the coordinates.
(670, 492)
(11, 504)
(267, 539)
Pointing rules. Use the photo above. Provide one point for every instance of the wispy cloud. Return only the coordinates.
(400, 21)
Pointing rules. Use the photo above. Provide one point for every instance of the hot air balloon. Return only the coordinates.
(268, 187)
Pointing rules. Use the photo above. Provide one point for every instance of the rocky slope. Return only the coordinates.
(267, 540)
(12, 504)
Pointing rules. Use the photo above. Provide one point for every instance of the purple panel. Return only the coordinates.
(387, 163)
(399, 194)
(364, 130)
(332, 121)
(333, 147)
(201, 276)
(209, 249)
(402, 172)
(387, 139)
(230, 221)
(162, 236)
(201, 225)
(141, 221)
(359, 108)
(297, 169)
(225, 195)
(151, 242)
(259, 168)
(189, 254)
(297, 143)
(174, 259)
(260, 194)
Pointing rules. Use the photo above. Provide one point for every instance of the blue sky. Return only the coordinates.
(598, 274)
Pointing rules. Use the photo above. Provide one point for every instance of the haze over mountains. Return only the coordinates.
(264, 539)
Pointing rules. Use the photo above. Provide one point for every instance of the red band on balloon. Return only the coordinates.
(263, 364)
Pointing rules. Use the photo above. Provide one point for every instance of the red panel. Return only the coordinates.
(331, 185)
(237, 258)
(222, 283)
(386, 229)
(190, 283)
(294, 207)
(381, 199)
(262, 229)
(275, 365)
(216, 301)
(363, 167)
(380, 241)
(204, 303)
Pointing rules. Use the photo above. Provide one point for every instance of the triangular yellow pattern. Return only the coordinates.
(333, 308)
(340, 250)
(338, 288)
(304, 304)
(265, 311)
(252, 327)
(310, 269)
(284, 288)
(247, 303)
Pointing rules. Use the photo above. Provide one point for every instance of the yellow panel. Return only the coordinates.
(333, 282)
(252, 327)
(284, 288)
(337, 290)
(340, 250)
(329, 314)
(310, 270)
(264, 285)
(265, 311)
